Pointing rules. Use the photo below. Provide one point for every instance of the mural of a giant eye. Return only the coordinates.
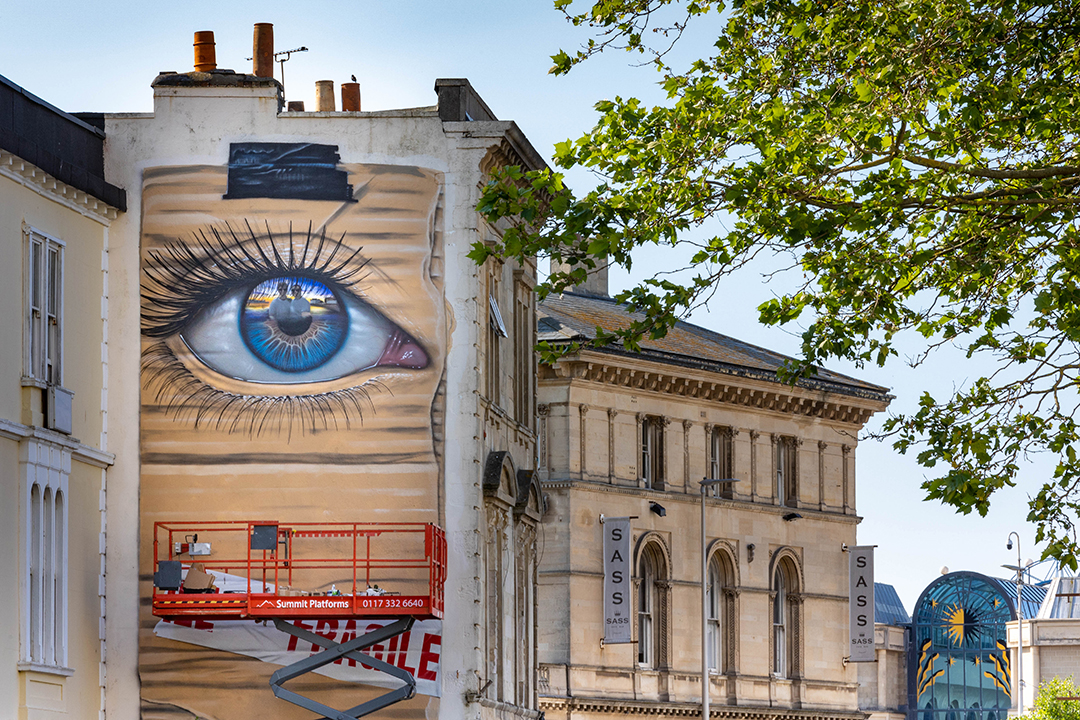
(288, 330)
(272, 309)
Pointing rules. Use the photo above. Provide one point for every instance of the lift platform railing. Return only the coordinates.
(270, 569)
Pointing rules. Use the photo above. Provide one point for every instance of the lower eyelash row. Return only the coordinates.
(184, 396)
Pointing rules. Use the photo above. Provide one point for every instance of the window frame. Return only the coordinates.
(43, 324)
(652, 572)
(647, 612)
(780, 623)
(496, 330)
(524, 322)
(652, 451)
(715, 606)
(722, 460)
(45, 559)
(787, 471)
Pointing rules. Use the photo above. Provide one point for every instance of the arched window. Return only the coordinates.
(652, 600)
(785, 614)
(779, 621)
(714, 608)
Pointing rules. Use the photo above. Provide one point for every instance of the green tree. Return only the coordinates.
(918, 161)
(1048, 706)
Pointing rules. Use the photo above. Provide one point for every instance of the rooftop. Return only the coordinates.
(573, 317)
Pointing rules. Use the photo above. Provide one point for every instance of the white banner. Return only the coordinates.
(416, 652)
(861, 603)
(618, 613)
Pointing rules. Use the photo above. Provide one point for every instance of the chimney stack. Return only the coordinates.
(262, 57)
(324, 96)
(350, 97)
(205, 52)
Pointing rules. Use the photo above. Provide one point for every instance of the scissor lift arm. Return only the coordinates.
(334, 651)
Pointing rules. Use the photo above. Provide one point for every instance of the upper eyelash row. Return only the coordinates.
(184, 278)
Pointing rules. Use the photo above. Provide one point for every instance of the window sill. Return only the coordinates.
(45, 669)
(28, 381)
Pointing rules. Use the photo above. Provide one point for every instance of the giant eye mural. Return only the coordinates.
(235, 303)
(294, 332)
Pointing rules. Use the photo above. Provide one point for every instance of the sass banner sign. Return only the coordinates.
(861, 603)
(617, 610)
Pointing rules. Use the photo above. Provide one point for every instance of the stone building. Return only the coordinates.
(883, 683)
(1051, 634)
(631, 435)
(56, 209)
(393, 382)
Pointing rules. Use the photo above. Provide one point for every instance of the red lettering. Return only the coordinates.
(292, 638)
(403, 653)
(329, 628)
(427, 656)
(349, 634)
(370, 629)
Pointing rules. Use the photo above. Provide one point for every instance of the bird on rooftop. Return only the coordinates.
(353, 78)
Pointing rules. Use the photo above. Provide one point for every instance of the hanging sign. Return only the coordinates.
(861, 604)
(617, 611)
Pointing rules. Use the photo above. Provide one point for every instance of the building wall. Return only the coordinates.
(186, 142)
(1051, 649)
(590, 451)
(883, 683)
(30, 198)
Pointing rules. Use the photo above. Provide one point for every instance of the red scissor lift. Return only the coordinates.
(279, 571)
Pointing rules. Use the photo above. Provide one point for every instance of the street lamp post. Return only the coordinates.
(706, 483)
(1019, 625)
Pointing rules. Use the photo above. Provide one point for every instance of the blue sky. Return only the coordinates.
(103, 58)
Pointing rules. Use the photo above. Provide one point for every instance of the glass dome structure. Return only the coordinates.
(959, 666)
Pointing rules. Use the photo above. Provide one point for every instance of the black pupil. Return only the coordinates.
(294, 326)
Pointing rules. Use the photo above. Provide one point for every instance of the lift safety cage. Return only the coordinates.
(268, 569)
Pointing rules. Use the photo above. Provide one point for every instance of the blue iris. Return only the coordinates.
(293, 324)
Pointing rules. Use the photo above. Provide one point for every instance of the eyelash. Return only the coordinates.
(183, 279)
(184, 394)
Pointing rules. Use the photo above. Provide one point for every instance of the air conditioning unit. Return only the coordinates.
(58, 412)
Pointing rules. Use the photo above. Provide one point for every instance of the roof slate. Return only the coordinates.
(568, 317)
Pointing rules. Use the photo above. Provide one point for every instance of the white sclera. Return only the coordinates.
(214, 337)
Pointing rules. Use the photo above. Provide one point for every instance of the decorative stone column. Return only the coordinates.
(612, 413)
(730, 641)
(822, 447)
(583, 410)
(686, 425)
(849, 506)
(754, 435)
(638, 442)
(663, 646)
(774, 439)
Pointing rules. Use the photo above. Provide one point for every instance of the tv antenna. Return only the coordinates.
(281, 58)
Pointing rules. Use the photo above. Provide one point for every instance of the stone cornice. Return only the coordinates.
(80, 452)
(691, 709)
(729, 386)
(34, 178)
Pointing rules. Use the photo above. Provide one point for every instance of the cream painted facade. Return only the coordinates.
(52, 484)
(594, 409)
